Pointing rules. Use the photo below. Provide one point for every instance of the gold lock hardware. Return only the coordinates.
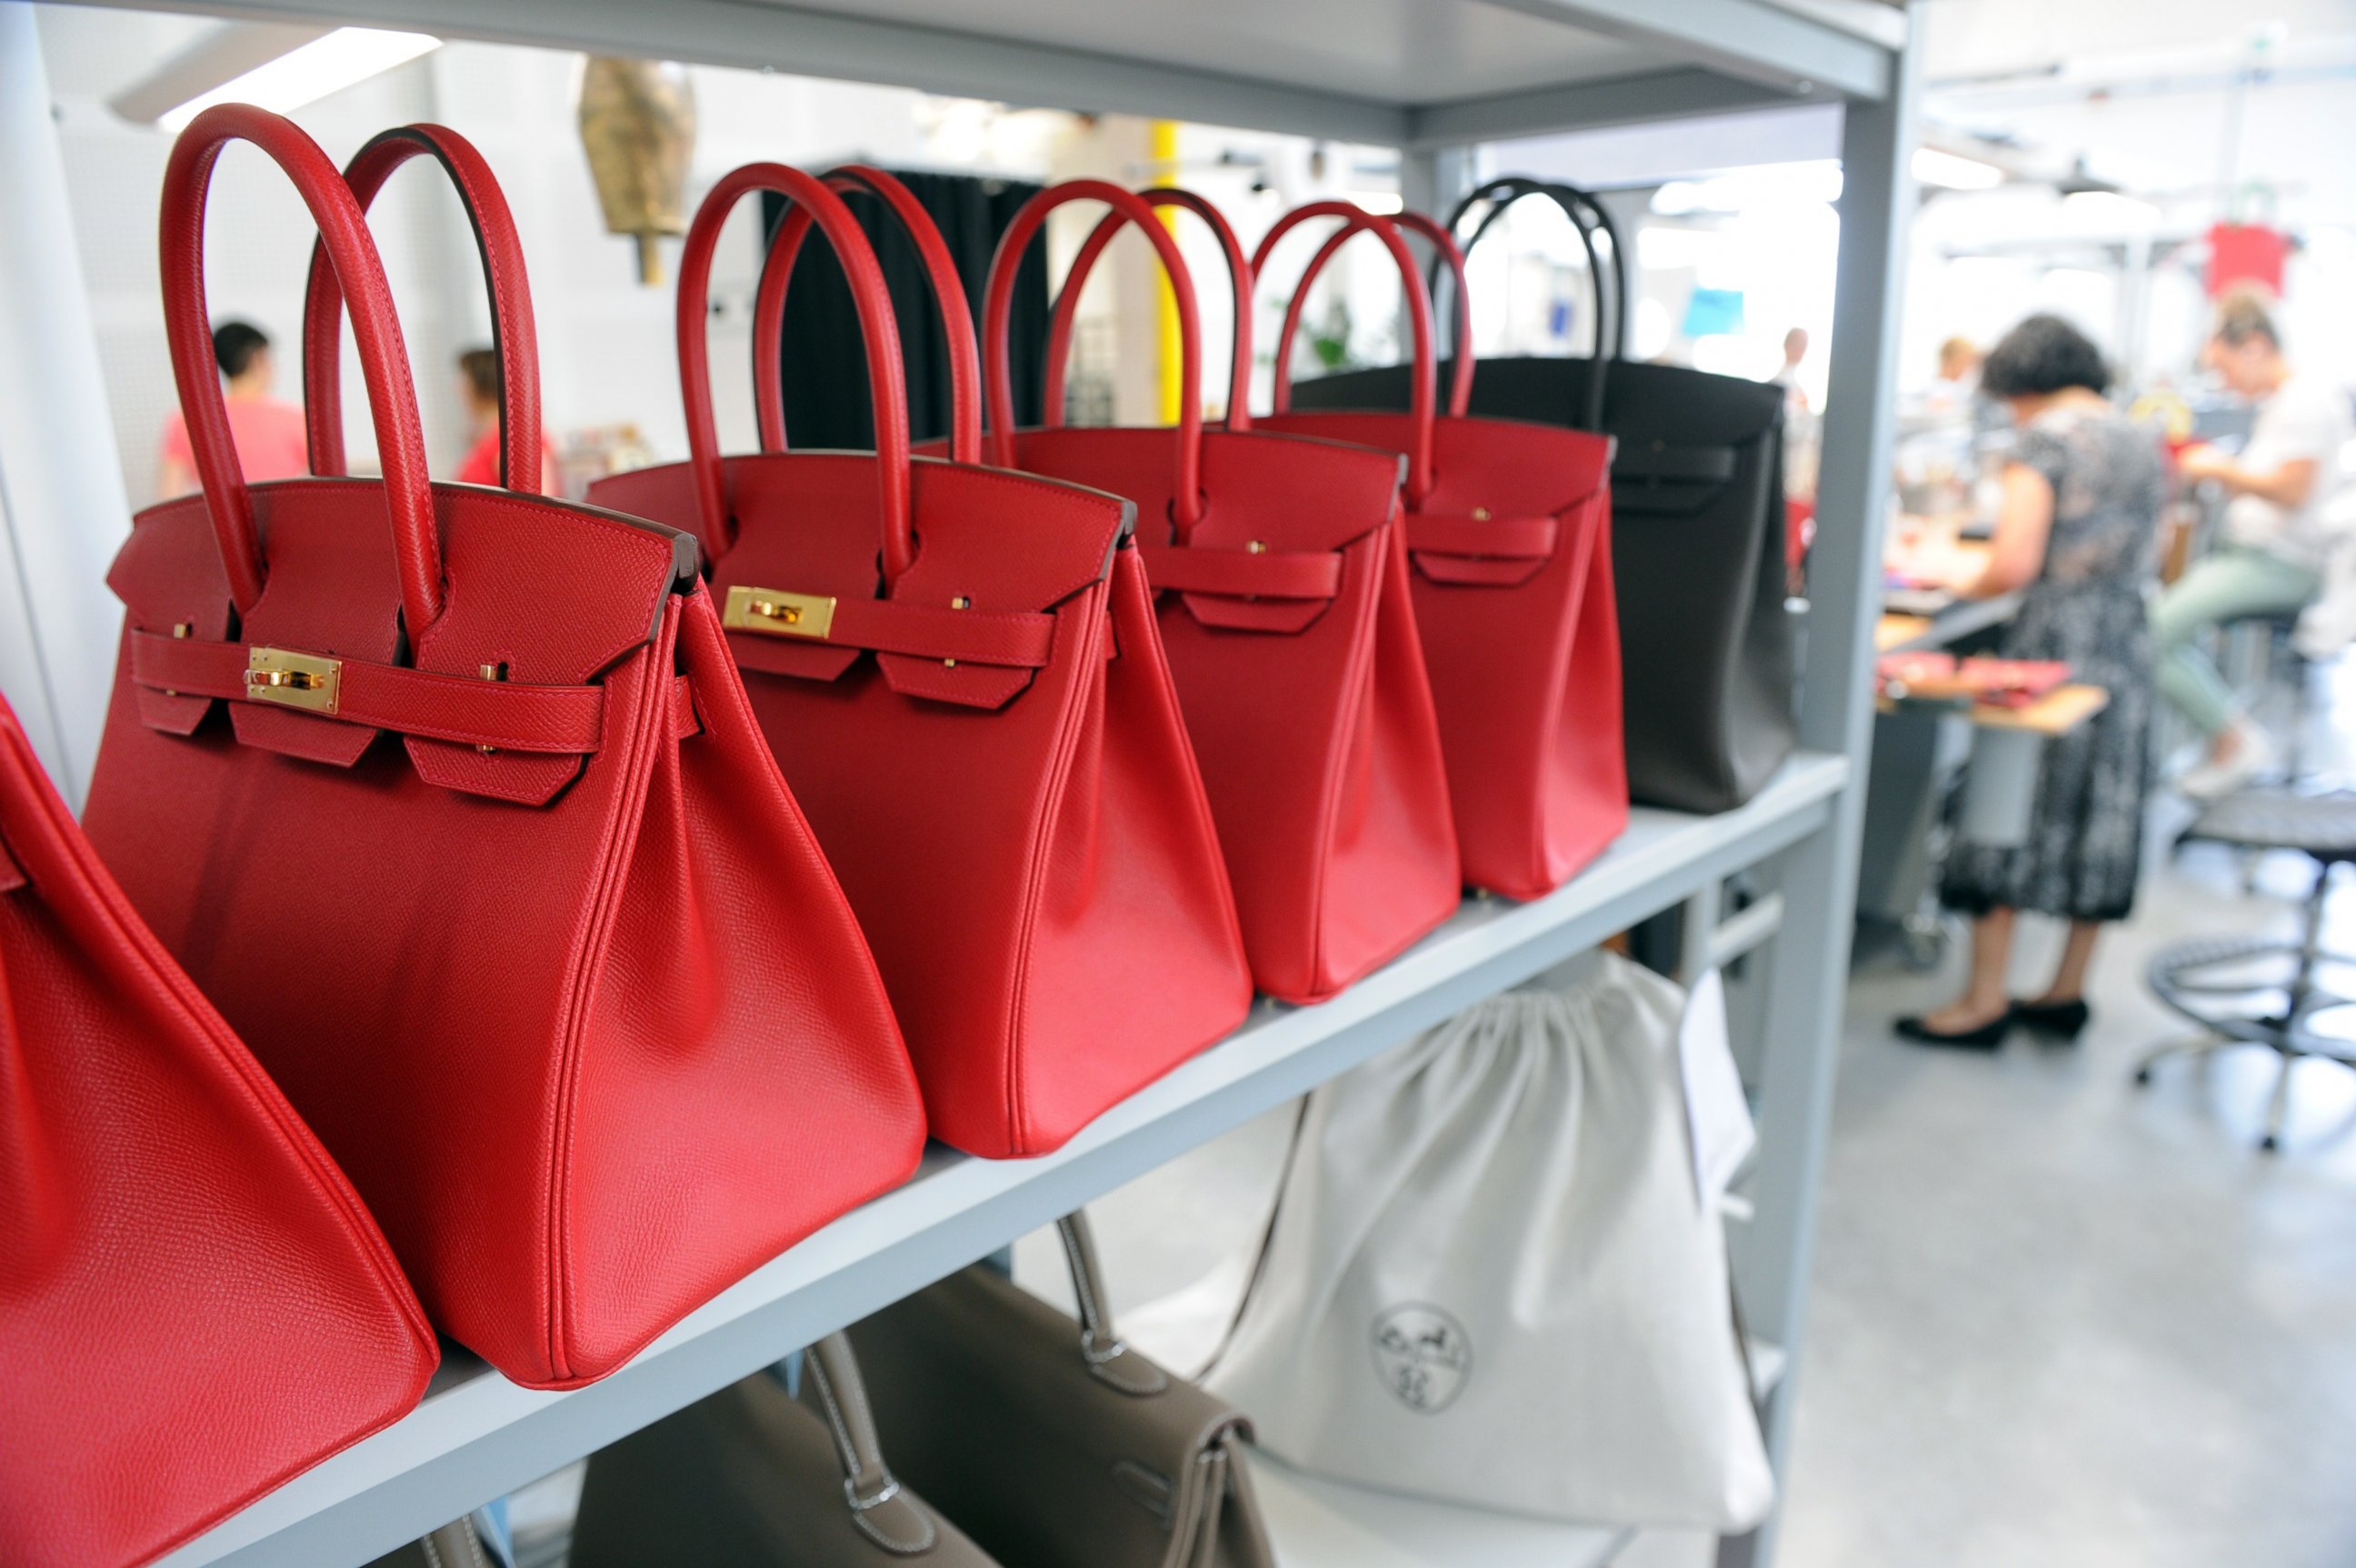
(302, 681)
(773, 612)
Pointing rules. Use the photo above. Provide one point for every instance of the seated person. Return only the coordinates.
(2271, 559)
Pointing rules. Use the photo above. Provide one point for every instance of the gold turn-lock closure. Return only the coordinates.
(1481, 514)
(959, 602)
(773, 612)
(302, 681)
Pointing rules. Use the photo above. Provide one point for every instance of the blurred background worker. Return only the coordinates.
(268, 431)
(478, 385)
(2270, 561)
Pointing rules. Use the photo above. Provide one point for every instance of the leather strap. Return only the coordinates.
(384, 361)
(1447, 254)
(1076, 276)
(504, 715)
(1020, 639)
(514, 340)
(1268, 574)
(949, 295)
(1422, 376)
(879, 1508)
(880, 332)
(997, 323)
(1109, 1359)
(1517, 538)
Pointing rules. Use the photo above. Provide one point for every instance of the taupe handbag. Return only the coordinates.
(1054, 1444)
(753, 1478)
(455, 1545)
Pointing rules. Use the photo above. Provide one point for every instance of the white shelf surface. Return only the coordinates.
(477, 1435)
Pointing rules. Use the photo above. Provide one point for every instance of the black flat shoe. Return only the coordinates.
(1986, 1037)
(2062, 1020)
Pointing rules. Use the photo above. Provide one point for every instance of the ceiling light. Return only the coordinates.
(309, 72)
(1952, 171)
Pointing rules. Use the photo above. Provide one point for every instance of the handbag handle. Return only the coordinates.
(384, 361)
(948, 294)
(1423, 379)
(886, 382)
(877, 1503)
(998, 308)
(1587, 215)
(1444, 251)
(1068, 303)
(514, 339)
(1109, 1359)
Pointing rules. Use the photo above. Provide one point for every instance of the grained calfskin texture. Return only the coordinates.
(1037, 872)
(1525, 674)
(193, 1303)
(1313, 719)
(593, 1033)
(588, 1062)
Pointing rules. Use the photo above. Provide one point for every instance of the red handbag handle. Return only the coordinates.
(998, 310)
(385, 360)
(1068, 303)
(1460, 384)
(886, 380)
(949, 293)
(1423, 382)
(513, 337)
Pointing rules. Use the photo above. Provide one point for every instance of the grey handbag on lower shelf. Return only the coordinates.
(1052, 1443)
(455, 1545)
(753, 1478)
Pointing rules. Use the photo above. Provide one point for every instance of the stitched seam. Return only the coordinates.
(846, 1448)
(624, 823)
(1093, 676)
(1361, 671)
(432, 1553)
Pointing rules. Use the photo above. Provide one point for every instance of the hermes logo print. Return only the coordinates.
(1423, 1356)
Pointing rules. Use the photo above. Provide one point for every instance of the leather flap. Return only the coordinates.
(12, 876)
(536, 592)
(1009, 549)
(1294, 501)
(1481, 551)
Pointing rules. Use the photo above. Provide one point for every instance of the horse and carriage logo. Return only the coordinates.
(1423, 1357)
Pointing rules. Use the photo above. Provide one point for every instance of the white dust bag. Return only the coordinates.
(1493, 1278)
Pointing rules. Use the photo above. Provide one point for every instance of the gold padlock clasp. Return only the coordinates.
(305, 681)
(774, 612)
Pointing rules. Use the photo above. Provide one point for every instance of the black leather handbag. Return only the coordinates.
(1708, 643)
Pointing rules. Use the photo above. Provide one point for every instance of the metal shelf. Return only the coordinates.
(477, 1435)
(1410, 74)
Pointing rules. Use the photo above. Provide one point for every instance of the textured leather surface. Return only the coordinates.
(1291, 639)
(194, 1305)
(1708, 647)
(1522, 643)
(987, 1405)
(1028, 849)
(593, 1033)
(749, 1478)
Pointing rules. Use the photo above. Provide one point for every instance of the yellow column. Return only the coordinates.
(1162, 148)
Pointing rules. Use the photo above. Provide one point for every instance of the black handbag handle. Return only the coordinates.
(1587, 215)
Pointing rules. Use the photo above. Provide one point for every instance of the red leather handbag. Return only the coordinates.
(958, 672)
(1281, 586)
(555, 968)
(1508, 529)
(194, 1305)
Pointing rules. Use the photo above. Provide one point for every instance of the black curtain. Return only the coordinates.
(824, 358)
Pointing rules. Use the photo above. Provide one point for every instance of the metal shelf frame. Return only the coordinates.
(478, 1436)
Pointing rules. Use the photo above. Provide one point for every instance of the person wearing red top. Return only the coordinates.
(479, 384)
(267, 430)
